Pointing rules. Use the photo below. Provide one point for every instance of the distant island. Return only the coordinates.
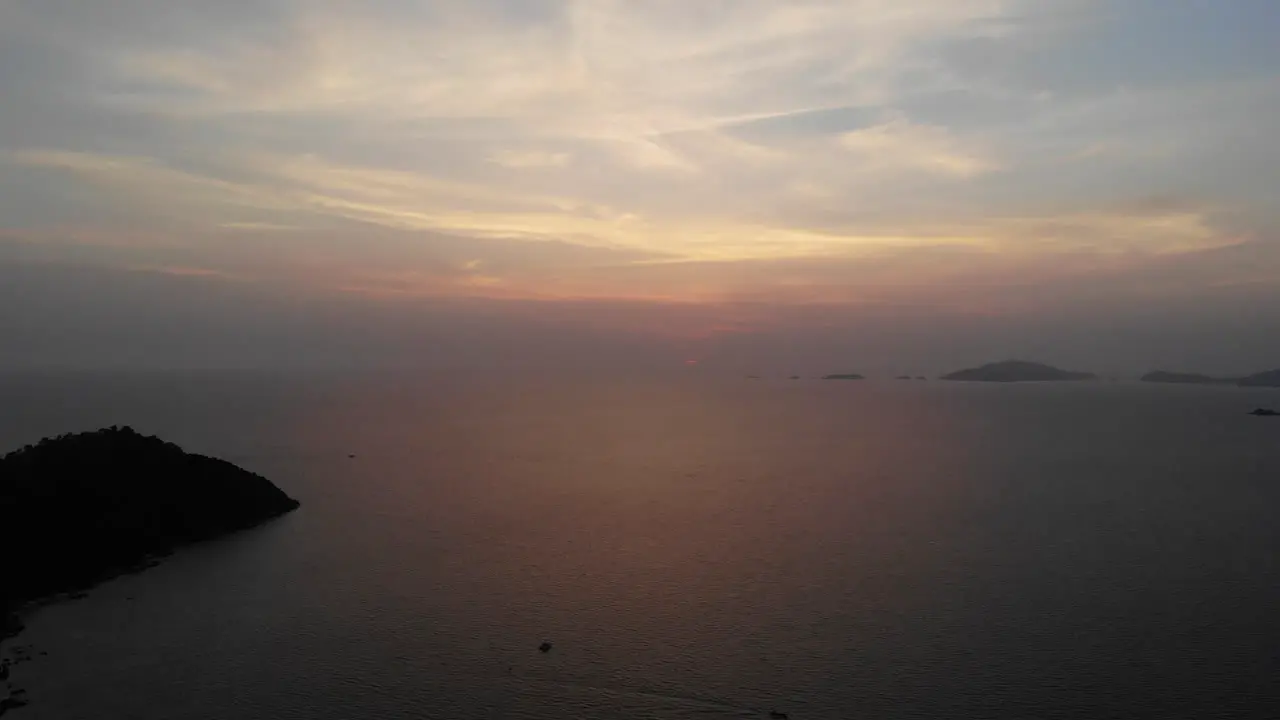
(844, 376)
(1270, 378)
(81, 508)
(1181, 378)
(1017, 371)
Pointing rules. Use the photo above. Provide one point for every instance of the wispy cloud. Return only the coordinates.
(900, 145)
(818, 151)
(518, 159)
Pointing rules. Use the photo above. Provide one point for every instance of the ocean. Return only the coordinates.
(692, 546)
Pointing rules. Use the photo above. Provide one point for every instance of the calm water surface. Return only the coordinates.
(694, 548)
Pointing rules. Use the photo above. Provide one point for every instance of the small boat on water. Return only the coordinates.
(544, 647)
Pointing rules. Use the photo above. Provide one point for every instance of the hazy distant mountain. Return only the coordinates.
(1270, 378)
(1017, 371)
(1162, 376)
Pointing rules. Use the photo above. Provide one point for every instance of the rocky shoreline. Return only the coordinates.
(12, 697)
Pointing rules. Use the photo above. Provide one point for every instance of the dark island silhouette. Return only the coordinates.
(843, 376)
(1017, 371)
(1270, 378)
(1265, 412)
(78, 509)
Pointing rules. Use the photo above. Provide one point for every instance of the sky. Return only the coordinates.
(800, 185)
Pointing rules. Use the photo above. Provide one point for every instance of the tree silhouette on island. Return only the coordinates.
(1017, 371)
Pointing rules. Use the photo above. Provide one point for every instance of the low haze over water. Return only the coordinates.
(692, 546)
